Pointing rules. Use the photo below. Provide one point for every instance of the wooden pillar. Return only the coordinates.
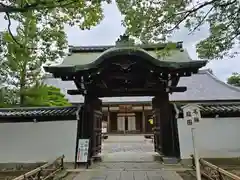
(108, 120)
(161, 102)
(143, 120)
(92, 123)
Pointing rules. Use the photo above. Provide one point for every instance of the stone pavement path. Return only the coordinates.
(128, 175)
(127, 148)
(127, 158)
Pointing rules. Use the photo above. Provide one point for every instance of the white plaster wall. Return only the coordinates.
(37, 142)
(215, 138)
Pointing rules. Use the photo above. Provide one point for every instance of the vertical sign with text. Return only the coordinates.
(83, 146)
(192, 114)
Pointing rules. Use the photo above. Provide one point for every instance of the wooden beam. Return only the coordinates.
(41, 168)
(102, 93)
(130, 92)
(177, 89)
(74, 91)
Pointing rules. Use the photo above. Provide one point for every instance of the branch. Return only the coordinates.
(13, 37)
(189, 12)
(27, 7)
(201, 21)
(193, 10)
(10, 32)
(38, 5)
(185, 14)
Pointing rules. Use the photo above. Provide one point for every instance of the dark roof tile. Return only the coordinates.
(215, 108)
(37, 112)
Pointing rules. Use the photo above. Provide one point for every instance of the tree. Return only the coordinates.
(25, 5)
(7, 97)
(2, 97)
(40, 38)
(38, 95)
(234, 79)
(43, 95)
(51, 13)
(23, 65)
(155, 20)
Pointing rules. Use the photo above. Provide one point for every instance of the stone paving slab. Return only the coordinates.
(129, 165)
(131, 157)
(127, 147)
(128, 175)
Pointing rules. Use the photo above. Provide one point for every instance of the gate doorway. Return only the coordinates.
(127, 70)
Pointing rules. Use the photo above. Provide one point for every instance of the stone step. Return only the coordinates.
(170, 160)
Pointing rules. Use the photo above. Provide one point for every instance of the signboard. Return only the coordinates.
(83, 146)
(191, 114)
(125, 108)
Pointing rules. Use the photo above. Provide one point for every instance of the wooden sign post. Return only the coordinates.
(192, 116)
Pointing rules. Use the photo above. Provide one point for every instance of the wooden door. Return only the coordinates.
(96, 117)
(157, 131)
(97, 132)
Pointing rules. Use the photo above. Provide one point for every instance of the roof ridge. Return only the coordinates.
(221, 82)
(205, 71)
(138, 45)
(37, 108)
(100, 48)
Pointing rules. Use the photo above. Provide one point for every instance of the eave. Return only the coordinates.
(42, 114)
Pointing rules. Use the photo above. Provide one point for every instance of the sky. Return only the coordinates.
(107, 32)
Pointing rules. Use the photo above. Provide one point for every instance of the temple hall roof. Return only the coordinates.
(203, 86)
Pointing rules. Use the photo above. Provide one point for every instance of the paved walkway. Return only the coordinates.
(128, 158)
(128, 175)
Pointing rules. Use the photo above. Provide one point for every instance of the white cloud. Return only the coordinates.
(110, 28)
(105, 33)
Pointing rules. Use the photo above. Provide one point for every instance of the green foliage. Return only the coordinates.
(42, 95)
(23, 63)
(2, 98)
(234, 79)
(155, 20)
(7, 97)
(39, 38)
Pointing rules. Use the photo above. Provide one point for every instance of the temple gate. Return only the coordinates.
(127, 70)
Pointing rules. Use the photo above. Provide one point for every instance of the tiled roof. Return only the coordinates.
(203, 86)
(38, 112)
(217, 108)
(87, 59)
(45, 113)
